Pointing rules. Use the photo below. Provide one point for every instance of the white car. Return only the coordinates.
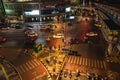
(91, 34)
(59, 35)
(32, 34)
(5, 28)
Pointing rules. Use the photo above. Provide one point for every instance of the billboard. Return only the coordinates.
(32, 12)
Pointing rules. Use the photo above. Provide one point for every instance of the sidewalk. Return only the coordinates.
(72, 76)
(52, 60)
(115, 59)
(9, 71)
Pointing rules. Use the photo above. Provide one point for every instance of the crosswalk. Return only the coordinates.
(28, 66)
(78, 60)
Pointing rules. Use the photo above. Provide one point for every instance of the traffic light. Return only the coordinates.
(37, 47)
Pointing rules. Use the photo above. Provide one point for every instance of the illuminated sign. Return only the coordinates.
(68, 9)
(72, 17)
(48, 6)
(33, 12)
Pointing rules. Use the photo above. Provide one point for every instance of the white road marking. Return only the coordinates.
(37, 61)
(31, 64)
(21, 67)
(78, 60)
(34, 63)
(26, 68)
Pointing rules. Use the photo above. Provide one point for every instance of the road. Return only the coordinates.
(92, 59)
(92, 55)
(14, 51)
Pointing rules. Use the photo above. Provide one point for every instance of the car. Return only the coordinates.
(66, 50)
(26, 32)
(59, 35)
(49, 30)
(29, 26)
(43, 28)
(30, 41)
(51, 25)
(98, 25)
(18, 27)
(91, 34)
(73, 53)
(74, 41)
(32, 34)
(5, 28)
(12, 25)
(0, 46)
(27, 29)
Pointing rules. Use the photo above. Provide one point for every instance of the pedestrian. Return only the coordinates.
(70, 75)
(59, 47)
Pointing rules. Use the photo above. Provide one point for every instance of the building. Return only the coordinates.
(111, 28)
(33, 10)
(2, 11)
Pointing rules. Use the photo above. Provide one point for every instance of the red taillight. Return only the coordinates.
(3, 39)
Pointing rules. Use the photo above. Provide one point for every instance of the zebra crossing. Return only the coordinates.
(28, 66)
(78, 60)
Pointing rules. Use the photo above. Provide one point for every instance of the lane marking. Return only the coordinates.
(92, 62)
(78, 60)
(37, 62)
(31, 64)
(69, 59)
(86, 62)
(83, 61)
(89, 62)
(34, 63)
(98, 63)
(26, 68)
(22, 68)
(101, 63)
(18, 68)
(104, 64)
(75, 60)
(66, 59)
(95, 63)
(72, 59)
